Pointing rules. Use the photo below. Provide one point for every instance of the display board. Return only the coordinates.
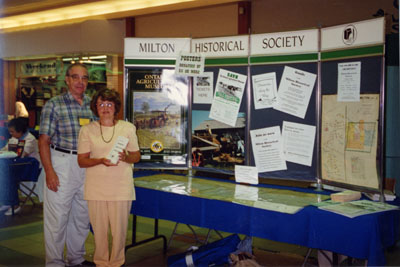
(157, 101)
(219, 105)
(302, 105)
(284, 106)
(352, 104)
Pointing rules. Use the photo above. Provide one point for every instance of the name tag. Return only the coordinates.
(83, 121)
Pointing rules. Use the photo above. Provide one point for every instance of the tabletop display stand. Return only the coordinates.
(303, 105)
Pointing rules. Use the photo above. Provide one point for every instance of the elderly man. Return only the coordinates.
(66, 220)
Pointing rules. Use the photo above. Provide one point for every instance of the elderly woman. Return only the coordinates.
(109, 186)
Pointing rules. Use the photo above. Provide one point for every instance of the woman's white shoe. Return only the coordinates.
(9, 211)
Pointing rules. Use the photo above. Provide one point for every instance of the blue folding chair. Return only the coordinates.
(26, 170)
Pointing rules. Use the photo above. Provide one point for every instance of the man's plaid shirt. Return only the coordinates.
(60, 119)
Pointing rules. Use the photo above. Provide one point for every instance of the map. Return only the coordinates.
(349, 140)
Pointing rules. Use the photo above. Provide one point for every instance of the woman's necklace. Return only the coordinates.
(102, 137)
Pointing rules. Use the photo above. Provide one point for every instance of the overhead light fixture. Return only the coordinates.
(98, 57)
(94, 10)
(94, 62)
(87, 59)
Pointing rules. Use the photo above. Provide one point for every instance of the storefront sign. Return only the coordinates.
(369, 32)
(284, 42)
(38, 68)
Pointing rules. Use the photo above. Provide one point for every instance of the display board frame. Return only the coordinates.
(309, 53)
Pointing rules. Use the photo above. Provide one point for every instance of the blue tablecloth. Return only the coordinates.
(8, 185)
(363, 237)
(11, 172)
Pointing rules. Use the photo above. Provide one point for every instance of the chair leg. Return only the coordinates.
(29, 193)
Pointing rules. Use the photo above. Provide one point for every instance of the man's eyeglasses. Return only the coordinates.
(102, 105)
(76, 77)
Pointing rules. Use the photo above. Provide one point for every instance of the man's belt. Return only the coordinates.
(74, 152)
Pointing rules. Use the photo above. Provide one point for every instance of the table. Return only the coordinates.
(8, 186)
(12, 171)
(363, 237)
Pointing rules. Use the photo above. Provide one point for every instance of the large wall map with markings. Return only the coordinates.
(349, 140)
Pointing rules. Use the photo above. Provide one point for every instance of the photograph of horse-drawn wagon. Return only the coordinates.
(157, 117)
(158, 107)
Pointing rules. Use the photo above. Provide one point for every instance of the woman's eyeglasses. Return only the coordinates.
(102, 105)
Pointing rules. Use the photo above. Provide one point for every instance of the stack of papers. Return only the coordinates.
(357, 208)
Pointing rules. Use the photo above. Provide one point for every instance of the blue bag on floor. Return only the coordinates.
(216, 253)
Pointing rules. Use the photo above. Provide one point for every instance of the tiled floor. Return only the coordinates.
(21, 244)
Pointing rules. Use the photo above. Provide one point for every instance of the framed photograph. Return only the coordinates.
(159, 106)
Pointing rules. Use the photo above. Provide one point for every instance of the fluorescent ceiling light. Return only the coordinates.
(103, 9)
(98, 57)
(93, 62)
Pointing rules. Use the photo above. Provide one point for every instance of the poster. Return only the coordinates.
(217, 145)
(298, 142)
(294, 91)
(268, 149)
(349, 135)
(203, 88)
(228, 96)
(349, 79)
(159, 103)
(264, 90)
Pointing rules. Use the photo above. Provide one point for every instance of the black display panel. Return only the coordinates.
(157, 104)
(270, 117)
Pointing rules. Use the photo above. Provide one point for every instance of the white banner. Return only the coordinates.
(362, 33)
(231, 46)
(155, 47)
(284, 42)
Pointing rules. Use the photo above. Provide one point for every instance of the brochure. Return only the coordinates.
(119, 146)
